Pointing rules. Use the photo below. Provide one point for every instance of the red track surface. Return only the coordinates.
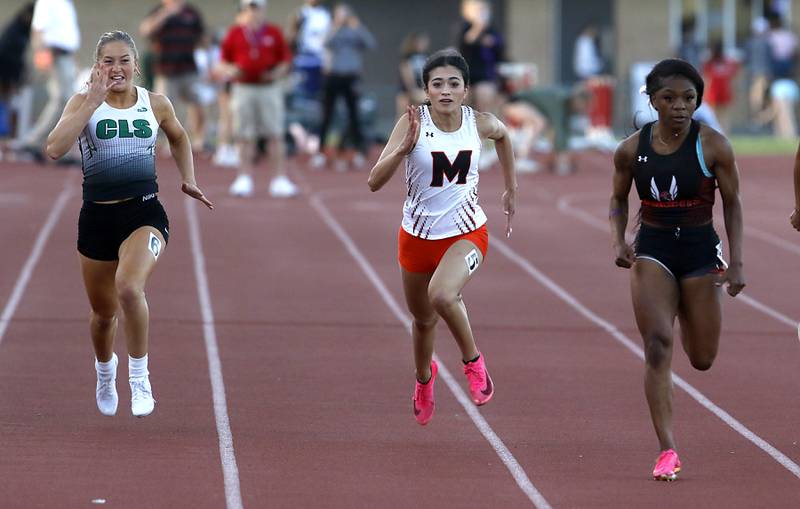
(318, 370)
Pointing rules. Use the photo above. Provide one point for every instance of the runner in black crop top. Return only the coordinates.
(676, 163)
(676, 189)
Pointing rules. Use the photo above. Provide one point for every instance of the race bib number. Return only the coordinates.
(472, 261)
(154, 245)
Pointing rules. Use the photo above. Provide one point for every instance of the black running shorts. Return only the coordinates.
(102, 228)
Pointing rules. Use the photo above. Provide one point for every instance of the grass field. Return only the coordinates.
(762, 145)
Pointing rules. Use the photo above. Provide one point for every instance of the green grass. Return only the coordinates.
(762, 145)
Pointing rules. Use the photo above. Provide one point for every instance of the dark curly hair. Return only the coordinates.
(673, 67)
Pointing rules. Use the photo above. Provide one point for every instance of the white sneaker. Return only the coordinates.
(282, 187)
(226, 155)
(359, 161)
(242, 186)
(318, 161)
(106, 390)
(142, 402)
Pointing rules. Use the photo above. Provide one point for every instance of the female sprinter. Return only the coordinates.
(122, 229)
(677, 269)
(443, 237)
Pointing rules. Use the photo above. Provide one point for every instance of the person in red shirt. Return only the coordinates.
(256, 58)
(719, 72)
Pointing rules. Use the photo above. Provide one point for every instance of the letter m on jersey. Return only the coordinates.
(456, 170)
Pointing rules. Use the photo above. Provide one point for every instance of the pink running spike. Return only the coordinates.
(667, 466)
(423, 398)
(481, 387)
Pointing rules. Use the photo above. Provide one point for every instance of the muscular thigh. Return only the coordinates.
(655, 295)
(457, 266)
(98, 278)
(139, 253)
(415, 289)
(700, 314)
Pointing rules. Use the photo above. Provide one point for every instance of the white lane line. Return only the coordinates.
(486, 430)
(33, 259)
(551, 285)
(230, 470)
(566, 207)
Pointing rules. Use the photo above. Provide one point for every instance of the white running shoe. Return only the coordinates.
(282, 187)
(142, 402)
(359, 161)
(318, 161)
(226, 155)
(106, 390)
(242, 186)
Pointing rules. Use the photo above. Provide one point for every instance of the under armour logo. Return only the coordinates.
(642, 159)
(428, 134)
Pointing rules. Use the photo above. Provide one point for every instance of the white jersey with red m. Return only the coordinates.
(442, 180)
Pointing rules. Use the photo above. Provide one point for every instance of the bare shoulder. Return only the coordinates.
(716, 146)
(487, 123)
(159, 101)
(162, 106)
(626, 150)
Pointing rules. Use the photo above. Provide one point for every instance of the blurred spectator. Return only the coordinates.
(758, 66)
(688, 47)
(14, 41)
(589, 67)
(346, 44)
(55, 38)
(175, 29)
(587, 61)
(308, 29)
(256, 57)
(483, 48)
(414, 53)
(719, 72)
(782, 44)
(784, 96)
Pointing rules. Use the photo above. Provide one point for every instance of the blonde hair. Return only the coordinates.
(116, 35)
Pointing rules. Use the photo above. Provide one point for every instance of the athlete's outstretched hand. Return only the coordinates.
(98, 86)
(410, 139)
(509, 206)
(624, 256)
(195, 192)
(733, 280)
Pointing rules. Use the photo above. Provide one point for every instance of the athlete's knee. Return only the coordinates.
(129, 291)
(657, 349)
(702, 362)
(104, 319)
(442, 299)
(425, 324)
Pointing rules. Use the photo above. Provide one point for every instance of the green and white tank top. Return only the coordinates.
(118, 151)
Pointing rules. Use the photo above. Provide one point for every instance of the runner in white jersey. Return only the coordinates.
(443, 237)
(122, 229)
(442, 179)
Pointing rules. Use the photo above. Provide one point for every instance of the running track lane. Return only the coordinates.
(758, 350)
(611, 415)
(319, 374)
(56, 449)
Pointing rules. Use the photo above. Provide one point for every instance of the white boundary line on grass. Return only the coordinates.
(230, 470)
(486, 430)
(33, 259)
